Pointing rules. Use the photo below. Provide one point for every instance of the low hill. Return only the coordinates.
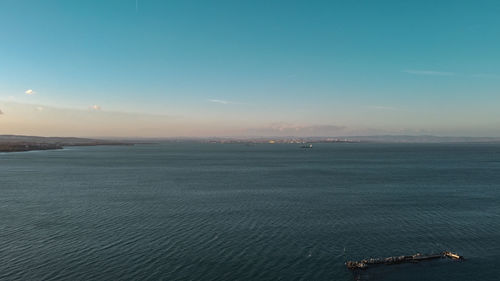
(13, 143)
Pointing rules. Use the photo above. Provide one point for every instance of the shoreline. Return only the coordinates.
(25, 147)
(18, 143)
(28, 147)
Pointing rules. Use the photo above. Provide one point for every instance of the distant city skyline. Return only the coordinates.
(151, 68)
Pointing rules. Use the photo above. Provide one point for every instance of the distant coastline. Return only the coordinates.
(19, 143)
(15, 143)
(326, 139)
(15, 147)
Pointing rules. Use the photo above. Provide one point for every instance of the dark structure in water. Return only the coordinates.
(363, 264)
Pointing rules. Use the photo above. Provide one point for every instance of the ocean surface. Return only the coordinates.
(186, 211)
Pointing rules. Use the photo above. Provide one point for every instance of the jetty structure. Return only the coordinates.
(363, 264)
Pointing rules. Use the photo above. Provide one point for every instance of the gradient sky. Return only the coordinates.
(240, 68)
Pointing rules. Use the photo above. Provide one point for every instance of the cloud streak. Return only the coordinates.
(382, 107)
(485, 75)
(29, 92)
(225, 102)
(428, 72)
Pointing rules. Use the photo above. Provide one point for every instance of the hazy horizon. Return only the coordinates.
(260, 68)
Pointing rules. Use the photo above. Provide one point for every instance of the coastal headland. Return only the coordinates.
(16, 143)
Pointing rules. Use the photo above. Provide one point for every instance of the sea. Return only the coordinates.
(193, 211)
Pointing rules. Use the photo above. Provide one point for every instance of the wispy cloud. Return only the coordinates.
(95, 107)
(382, 107)
(287, 129)
(442, 73)
(429, 72)
(484, 75)
(29, 92)
(223, 101)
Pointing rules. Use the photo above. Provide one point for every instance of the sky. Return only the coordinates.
(155, 68)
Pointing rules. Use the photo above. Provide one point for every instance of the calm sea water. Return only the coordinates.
(235, 212)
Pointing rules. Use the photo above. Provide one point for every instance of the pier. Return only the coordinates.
(363, 264)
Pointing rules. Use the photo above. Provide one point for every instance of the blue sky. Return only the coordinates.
(250, 67)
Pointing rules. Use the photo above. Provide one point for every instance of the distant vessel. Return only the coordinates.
(307, 146)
